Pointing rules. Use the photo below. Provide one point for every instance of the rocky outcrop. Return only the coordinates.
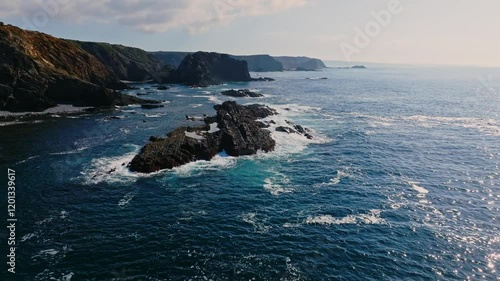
(203, 69)
(245, 93)
(37, 71)
(127, 63)
(300, 63)
(294, 129)
(234, 130)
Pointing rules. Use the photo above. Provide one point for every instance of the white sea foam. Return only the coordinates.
(51, 252)
(111, 169)
(259, 225)
(291, 225)
(417, 187)
(154, 115)
(196, 105)
(373, 217)
(199, 167)
(73, 151)
(28, 237)
(63, 215)
(290, 143)
(126, 199)
(27, 159)
(68, 276)
(341, 174)
(278, 184)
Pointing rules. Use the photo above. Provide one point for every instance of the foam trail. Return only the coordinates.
(373, 217)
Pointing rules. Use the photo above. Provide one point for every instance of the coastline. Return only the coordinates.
(8, 118)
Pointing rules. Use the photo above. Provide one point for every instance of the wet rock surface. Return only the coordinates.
(234, 129)
(245, 93)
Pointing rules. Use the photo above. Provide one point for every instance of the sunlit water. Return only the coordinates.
(400, 183)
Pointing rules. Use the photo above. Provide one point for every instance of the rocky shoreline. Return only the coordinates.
(234, 130)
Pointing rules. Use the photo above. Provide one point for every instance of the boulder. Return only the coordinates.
(241, 93)
(203, 69)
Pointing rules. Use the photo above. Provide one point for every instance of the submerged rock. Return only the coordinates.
(152, 106)
(234, 129)
(263, 79)
(241, 93)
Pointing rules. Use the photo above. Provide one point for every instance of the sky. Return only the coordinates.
(443, 32)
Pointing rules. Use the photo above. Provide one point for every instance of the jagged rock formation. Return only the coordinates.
(37, 71)
(300, 63)
(245, 93)
(203, 69)
(234, 130)
(295, 129)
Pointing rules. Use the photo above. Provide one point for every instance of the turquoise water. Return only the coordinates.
(400, 183)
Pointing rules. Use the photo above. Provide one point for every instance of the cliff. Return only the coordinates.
(261, 63)
(127, 63)
(300, 63)
(203, 69)
(37, 71)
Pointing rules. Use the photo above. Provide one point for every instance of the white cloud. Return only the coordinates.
(146, 15)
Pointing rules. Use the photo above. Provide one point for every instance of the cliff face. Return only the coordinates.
(300, 63)
(260, 63)
(256, 63)
(203, 69)
(37, 71)
(127, 63)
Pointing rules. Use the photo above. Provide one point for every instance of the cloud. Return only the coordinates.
(145, 15)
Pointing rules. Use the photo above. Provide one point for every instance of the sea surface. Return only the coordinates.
(401, 182)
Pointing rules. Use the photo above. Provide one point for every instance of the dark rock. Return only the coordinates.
(127, 63)
(300, 68)
(203, 69)
(297, 129)
(285, 130)
(263, 79)
(359, 66)
(241, 93)
(154, 138)
(163, 88)
(238, 134)
(152, 106)
(295, 63)
(37, 71)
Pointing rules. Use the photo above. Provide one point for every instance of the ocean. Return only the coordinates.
(401, 182)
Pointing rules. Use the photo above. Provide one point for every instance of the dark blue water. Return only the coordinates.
(400, 183)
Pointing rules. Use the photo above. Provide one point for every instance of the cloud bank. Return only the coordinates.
(145, 15)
